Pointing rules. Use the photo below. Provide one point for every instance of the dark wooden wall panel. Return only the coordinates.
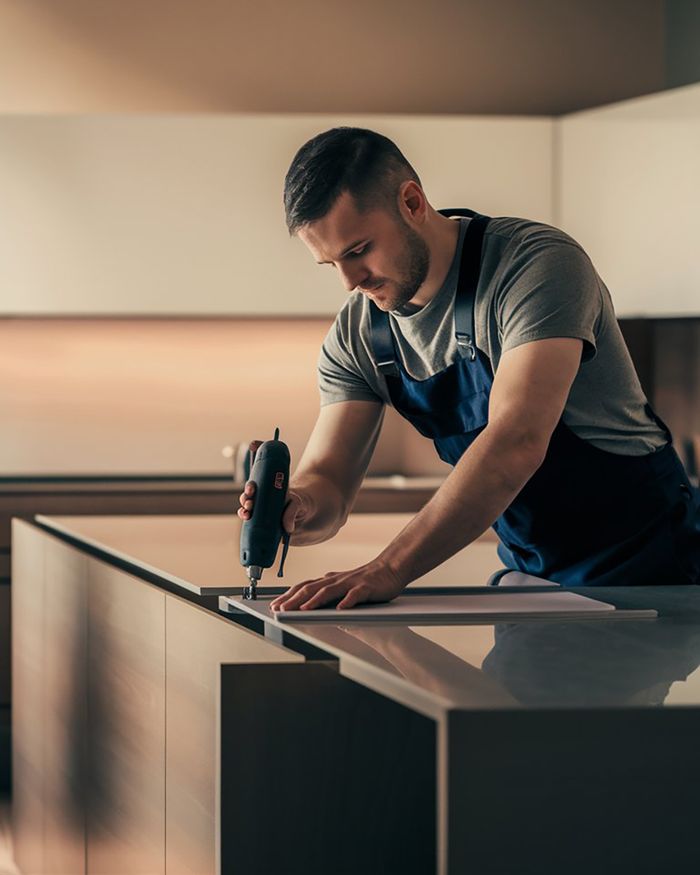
(666, 353)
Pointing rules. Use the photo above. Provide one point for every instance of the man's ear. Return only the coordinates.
(412, 202)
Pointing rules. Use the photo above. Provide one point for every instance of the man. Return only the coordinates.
(497, 339)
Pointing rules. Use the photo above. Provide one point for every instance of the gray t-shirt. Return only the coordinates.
(535, 282)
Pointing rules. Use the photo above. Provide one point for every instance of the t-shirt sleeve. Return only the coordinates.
(550, 290)
(339, 376)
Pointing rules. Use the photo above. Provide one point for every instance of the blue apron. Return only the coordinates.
(586, 517)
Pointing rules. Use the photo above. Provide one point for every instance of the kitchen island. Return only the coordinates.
(156, 733)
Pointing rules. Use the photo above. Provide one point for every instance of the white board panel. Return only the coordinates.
(628, 188)
(498, 606)
(183, 214)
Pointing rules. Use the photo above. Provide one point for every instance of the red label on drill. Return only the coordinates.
(279, 480)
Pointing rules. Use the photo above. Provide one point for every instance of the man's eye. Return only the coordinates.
(361, 251)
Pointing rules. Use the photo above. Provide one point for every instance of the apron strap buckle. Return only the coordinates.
(466, 345)
(388, 368)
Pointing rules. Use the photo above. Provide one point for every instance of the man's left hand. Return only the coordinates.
(373, 582)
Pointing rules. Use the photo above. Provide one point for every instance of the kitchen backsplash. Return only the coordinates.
(156, 396)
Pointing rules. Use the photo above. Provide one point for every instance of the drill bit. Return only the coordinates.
(254, 574)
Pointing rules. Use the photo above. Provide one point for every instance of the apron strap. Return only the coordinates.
(461, 212)
(469, 269)
(383, 342)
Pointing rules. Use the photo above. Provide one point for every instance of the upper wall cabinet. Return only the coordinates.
(183, 214)
(628, 189)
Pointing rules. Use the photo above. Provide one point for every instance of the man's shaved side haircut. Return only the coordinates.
(363, 163)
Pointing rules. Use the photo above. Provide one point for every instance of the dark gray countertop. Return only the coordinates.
(537, 664)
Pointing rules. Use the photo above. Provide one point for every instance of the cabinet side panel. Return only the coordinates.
(27, 682)
(126, 724)
(321, 775)
(65, 707)
(604, 790)
(197, 644)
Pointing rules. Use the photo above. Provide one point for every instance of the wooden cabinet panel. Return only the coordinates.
(197, 643)
(94, 775)
(320, 775)
(5, 643)
(27, 498)
(65, 707)
(5, 747)
(28, 707)
(126, 725)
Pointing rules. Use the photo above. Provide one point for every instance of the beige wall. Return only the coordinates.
(183, 214)
(405, 56)
(164, 396)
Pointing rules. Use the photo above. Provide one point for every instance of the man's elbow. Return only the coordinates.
(521, 451)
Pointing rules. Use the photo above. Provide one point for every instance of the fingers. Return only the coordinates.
(290, 514)
(294, 596)
(334, 587)
(253, 447)
(331, 592)
(294, 512)
(355, 596)
(310, 593)
(245, 499)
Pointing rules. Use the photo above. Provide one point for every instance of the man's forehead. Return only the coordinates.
(342, 225)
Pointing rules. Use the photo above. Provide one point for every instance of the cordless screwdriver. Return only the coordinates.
(261, 534)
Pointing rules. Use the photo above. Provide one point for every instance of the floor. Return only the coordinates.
(7, 867)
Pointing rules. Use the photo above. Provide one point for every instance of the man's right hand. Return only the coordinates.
(329, 473)
(294, 511)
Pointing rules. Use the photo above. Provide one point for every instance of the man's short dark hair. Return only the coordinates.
(363, 163)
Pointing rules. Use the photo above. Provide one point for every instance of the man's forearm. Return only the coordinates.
(482, 485)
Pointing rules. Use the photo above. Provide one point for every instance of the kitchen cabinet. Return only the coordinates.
(198, 643)
(627, 185)
(115, 753)
(24, 497)
(206, 742)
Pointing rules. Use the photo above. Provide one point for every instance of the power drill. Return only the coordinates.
(261, 534)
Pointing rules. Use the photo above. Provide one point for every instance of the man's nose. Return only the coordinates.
(352, 276)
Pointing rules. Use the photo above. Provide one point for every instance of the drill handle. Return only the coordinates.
(261, 534)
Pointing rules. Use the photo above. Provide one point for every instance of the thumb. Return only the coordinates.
(293, 513)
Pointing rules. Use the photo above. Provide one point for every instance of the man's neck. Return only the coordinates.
(442, 235)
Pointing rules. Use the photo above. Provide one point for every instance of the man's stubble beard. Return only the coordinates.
(413, 267)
